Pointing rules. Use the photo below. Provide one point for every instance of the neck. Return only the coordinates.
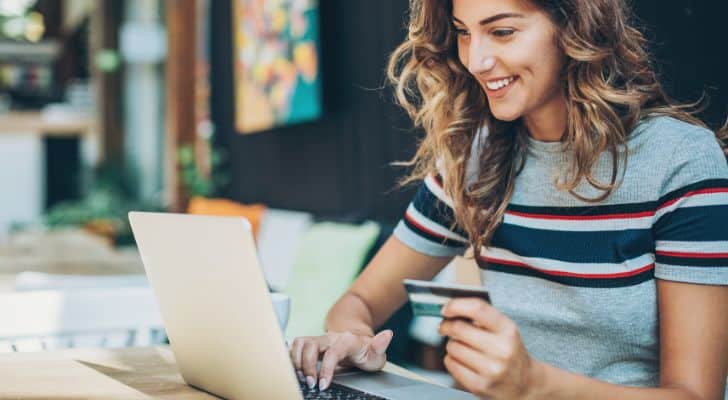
(548, 123)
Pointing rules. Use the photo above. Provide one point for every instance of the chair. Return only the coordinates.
(280, 234)
(56, 319)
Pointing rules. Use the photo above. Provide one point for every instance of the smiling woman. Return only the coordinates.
(508, 50)
(596, 207)
(532, 110)
(573, 71)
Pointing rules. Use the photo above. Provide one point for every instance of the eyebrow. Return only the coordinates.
(493, 18)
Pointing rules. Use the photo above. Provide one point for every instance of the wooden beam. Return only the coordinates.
(106, 25)
(180, 92)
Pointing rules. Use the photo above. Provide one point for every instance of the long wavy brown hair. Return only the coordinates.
(608, 81)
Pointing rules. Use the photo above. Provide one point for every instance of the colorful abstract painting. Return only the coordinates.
(277, 73)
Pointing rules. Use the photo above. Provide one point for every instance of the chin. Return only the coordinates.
(503, 114)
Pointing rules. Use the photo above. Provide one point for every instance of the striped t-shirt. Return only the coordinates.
(578, 278)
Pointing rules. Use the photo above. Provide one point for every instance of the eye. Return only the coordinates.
(503, 32)
(461, 32)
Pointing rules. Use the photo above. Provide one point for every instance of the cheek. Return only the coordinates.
(541, 61)
(463, 55)
(548, 54)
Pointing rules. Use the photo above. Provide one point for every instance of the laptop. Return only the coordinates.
(220, 319)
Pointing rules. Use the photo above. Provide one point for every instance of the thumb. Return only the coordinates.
(381, 341)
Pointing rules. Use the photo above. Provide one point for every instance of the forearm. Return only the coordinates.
(554, 383)
(350, 313)
(378, 292)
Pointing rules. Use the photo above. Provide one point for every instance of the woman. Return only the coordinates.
(599, 206)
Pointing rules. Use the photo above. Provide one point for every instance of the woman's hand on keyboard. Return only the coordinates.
(334, 348)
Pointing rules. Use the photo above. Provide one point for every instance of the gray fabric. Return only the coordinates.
(610, 334)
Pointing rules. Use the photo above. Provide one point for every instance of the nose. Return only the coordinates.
(481, 57)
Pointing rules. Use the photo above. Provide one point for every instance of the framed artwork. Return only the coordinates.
(277, 69)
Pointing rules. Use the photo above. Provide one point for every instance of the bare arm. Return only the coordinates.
(351, 322)
(378, 292)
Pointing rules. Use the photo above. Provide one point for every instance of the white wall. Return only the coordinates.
(22, 177)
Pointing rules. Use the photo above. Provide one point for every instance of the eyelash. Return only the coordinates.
(461, 32)
(500, 33)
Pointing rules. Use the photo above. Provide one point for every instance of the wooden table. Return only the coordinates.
(64, 252)
(129, 374)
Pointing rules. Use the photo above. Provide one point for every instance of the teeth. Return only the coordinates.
(495, 85)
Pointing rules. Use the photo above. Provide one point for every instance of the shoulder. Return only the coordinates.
(687, 153)
(671, 132)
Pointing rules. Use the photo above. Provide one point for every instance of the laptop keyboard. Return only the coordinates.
(335, 392)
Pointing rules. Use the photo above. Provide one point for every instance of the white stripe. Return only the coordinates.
(697, 200)
(437, 190)
(429, 298)
(433, 226)
(578, 268)
(615, 224)
(692, 247)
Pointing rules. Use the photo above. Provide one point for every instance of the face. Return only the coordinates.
(510, 48)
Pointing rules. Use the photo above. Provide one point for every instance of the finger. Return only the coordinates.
(381, 341)
(332, 357)
(466, 377)
(477, 310)
(296, 349)
(477, 338)
(310, 357)
(373, 357)
(473, 359)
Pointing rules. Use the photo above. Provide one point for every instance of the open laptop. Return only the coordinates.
(220, 319)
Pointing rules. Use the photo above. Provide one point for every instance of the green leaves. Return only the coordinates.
(195, 182)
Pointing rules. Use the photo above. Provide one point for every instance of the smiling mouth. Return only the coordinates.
(498, 84)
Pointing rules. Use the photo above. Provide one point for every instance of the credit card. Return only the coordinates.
(427, 298)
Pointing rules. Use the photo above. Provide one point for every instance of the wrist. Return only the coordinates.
(359, 330)
(538, 381)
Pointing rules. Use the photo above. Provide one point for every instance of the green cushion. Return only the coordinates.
(328, 259)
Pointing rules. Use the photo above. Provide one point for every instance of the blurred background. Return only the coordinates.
(275, 110)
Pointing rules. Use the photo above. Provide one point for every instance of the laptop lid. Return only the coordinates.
(215, 304)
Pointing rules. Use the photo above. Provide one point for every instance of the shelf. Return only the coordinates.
(34, 122)
(44, 51)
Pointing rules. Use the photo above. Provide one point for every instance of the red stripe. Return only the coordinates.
(691, 255)
(437, 179)
(572, 274)
(693, 193)
(584, 217)
(422, 228)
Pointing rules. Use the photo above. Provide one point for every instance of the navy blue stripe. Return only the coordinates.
(573, 281)
(691, 261)
(625, 208)
(586, 210)
(434, 209)
(573, 246)
(694, 224)
(706, 184)
(437, 239)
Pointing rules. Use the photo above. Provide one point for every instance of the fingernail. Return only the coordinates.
(322, 384)
(310, 382)
(300, 375)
